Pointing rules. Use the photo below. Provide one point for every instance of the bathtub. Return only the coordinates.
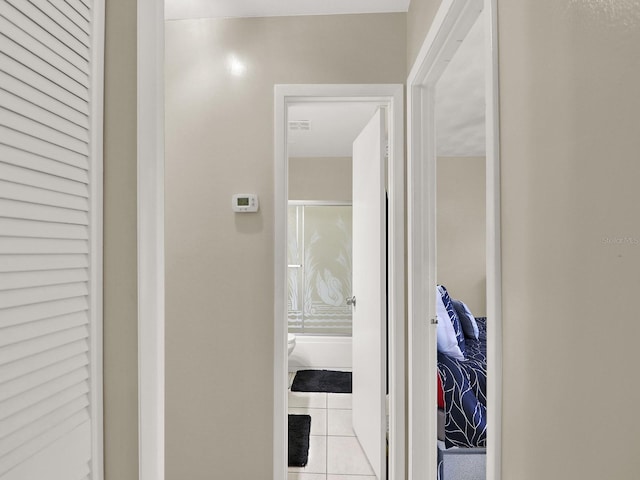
(321, 352)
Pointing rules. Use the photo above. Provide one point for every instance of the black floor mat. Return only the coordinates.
(299, 428)
(322, 381)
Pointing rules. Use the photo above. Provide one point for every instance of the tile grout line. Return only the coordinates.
(327, 409)
(326, 442)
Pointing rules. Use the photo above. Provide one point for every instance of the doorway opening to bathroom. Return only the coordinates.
(313, 293)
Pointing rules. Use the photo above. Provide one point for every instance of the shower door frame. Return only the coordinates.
(315, 203)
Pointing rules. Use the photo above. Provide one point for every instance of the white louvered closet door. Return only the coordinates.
(51, 57)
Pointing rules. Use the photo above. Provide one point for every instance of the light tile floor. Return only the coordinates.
(334, 450)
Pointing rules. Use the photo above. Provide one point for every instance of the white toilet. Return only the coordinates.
(291, 342)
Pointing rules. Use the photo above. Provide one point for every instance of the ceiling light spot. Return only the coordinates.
(236, 66)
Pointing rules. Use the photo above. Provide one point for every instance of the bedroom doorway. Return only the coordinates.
(434, 234)
(384, 102)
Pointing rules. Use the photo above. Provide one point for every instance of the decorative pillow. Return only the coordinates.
(447, 339)
(453, 316)
(467, 320)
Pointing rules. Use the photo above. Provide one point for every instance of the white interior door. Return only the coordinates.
(369, 290)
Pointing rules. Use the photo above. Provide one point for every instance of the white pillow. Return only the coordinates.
(447, 340)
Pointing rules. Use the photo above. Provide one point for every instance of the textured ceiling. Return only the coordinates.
(332, 128)
(460, 100)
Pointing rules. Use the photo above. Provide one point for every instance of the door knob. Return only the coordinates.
(351, 301)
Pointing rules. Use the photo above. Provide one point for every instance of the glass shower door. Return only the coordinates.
(319, 256)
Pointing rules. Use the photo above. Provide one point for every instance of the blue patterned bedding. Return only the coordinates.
(465, 392)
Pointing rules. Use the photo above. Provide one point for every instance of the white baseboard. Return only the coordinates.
(321, 353)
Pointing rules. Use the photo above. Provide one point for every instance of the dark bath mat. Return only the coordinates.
(299, 428)
(321, 381)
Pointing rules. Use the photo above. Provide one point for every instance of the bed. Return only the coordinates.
(464, 385)
(462, 390)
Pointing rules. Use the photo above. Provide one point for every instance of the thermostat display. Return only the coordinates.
(245, 202)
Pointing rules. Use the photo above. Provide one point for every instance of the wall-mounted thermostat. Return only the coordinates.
(245, 202)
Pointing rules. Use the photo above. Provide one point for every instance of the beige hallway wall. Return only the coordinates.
(461, 230)
(324, 178)
(120, 249)
(419, 18)
(219, 325)
(570, 137)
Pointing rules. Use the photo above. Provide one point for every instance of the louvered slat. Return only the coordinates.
(17, 280)
(25, 433)
(50, 145)
(13, 353)
(24, 331)
(46, 390)
(60, 445)
(53, 13)
(29, 93)
(34, 211)
(26, 296)
(28, 228)
(42, 83)
(44, 178)
(35, 362)
(47, 39)
(36, 428)
(39, 196)
(37, 124)
(47, 82)
(49, 25)
(27, 263)
(22, 245)
(23, 383)
(67, 62)
(29, 331)
(38, 114)
(39, 311)
(80, 7)
(30, 60)
(64, 178)
(72, 14)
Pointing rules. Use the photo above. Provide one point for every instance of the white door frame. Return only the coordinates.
(451, 24)
(150, 187)
(391, 95)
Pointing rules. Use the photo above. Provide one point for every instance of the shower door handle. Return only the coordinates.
(351, 301)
